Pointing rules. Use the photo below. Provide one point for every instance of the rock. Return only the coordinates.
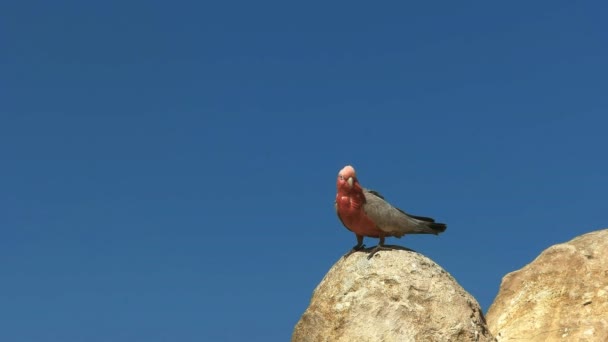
(561, 296)
(398, 295)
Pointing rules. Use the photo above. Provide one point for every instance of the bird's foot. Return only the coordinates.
(355, 248)
(377, 249)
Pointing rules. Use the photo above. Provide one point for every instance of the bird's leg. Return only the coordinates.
(359, 246)
(378, 248)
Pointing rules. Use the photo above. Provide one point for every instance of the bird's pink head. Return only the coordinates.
(347, 180)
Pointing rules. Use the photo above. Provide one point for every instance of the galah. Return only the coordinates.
(366, 213)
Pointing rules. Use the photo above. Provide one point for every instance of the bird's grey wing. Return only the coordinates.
(421, 218)
(394, 221)
(373, 192)
(387, 218)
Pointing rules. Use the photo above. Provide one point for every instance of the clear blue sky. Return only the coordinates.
(168, 171)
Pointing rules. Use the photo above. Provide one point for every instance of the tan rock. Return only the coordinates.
(561, 296)
(398, 295)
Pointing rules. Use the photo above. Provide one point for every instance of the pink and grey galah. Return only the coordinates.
(366, 213)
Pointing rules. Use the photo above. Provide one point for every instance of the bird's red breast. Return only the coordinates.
(350, 209)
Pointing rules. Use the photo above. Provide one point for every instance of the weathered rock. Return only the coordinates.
(561, 296)
(398, 295)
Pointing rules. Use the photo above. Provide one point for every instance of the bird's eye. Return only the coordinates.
(341, 177)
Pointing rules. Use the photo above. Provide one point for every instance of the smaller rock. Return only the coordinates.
(561, 295)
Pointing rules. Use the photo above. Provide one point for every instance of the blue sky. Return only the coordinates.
(168, 171)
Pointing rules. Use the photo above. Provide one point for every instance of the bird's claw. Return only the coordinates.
(376, 250)
(356, 248)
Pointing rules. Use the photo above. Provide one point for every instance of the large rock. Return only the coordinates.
(560, 296)
(398, 295)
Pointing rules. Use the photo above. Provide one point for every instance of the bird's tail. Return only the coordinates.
(425, 227)
(436, 227)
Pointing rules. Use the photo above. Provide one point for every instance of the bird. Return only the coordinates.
(366, 213)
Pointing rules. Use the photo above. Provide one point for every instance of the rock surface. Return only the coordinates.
(561, 296)
(398, 295)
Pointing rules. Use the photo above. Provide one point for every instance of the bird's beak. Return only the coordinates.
(350, 181)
